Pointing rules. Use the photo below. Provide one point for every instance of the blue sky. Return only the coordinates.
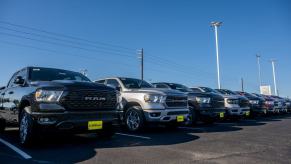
(178, 41)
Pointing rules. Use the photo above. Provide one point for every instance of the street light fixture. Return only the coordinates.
(216, 25)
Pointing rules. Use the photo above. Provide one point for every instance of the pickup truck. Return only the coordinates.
(143, 104)
(257, 104)
(40, 100)
(232, 106)
(243, 101)
(205, 107)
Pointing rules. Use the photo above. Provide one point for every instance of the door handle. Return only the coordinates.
(11, 92)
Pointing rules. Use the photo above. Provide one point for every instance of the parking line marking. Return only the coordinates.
(130, 135)
(17, 150)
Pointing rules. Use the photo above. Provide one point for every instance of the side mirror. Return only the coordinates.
(118, 88)
(19, 80)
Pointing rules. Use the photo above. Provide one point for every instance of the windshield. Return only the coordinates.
(228, 92)
(180, 87)
(50, 74)
(221, 91)
(135, 83)
(207, 90)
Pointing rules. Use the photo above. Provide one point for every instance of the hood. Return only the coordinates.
(70, 85)
(232, 96)
(205, 94)
(157, 91)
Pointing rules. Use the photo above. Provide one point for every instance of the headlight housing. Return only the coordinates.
(203, 100)
(42, 95)
(154, 98)
(269, 102)
(254, 101)
(232, 101)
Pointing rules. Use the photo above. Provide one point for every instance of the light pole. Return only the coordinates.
(216, 25)
(274, 77)
(259, 69)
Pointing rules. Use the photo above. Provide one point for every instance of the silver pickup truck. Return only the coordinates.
(142, 103)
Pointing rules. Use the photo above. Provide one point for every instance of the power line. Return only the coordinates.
(63, 35)
(66, 45)
(64, 40)
(55, 52)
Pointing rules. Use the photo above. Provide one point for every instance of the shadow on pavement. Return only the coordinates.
(78, 148)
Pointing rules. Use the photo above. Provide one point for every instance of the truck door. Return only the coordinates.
(7, 103)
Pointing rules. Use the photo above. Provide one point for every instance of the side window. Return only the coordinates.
(196, 90)
(161, 86)
(21, 73)
(101, 81)
(11, 82)
(113, 82)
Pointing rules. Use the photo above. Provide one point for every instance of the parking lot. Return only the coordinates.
(261, 140)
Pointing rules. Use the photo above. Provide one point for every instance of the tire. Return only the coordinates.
(194, 115)
(134, 119)
(106, 133)
(2, 125)
(26, 128)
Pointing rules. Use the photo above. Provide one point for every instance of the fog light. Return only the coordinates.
(157, 114)
(45, 120)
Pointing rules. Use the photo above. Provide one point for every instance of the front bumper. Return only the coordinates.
(166, 115)
(258, 110)
(212, 113)
(234, 112)
(76, 122)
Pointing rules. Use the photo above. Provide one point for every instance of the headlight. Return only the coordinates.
(203, 100)
(232, 101)
(191, 98)
(254, 101)
(269, 102)
(154, 98)
(48, 95)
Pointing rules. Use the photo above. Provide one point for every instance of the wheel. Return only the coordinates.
(2, 125)
(194, 115)
(107, 132)
(26, 129)
(134, 118)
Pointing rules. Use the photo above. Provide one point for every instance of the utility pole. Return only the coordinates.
(242, 84)
(141, 63)
(274, 76)
(216, 25)
(259, 69)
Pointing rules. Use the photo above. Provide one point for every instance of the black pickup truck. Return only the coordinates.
(205, 107)
(40, 100)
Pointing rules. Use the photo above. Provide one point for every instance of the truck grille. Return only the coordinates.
(217, 103)
(89, 100)
(243, 103)
(177, 101)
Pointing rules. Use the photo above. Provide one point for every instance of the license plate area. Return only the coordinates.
(247, 113)
(95, 125)
(180, 118)
(221, 115)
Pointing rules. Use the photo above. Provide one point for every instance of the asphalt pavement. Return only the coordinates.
(261, 140)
